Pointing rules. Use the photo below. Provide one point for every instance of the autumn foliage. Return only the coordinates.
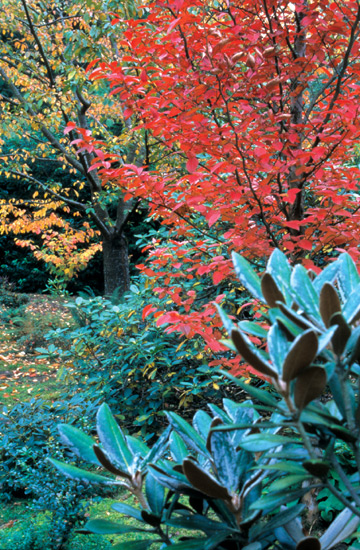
(249, 112)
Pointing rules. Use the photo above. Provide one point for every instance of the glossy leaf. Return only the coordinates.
(247, 276)
(80, 443)
(112, 439)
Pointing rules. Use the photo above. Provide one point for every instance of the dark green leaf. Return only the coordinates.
(250, 327)
(288, 481)
(78, 442)
(155, 494)
(126, 510)
(112, 439)
(348, 276)
(106, 527)
(257, 393)
(201, 422)
(77, 473)
(178, 448)
(263, 442)
(133, 545)
(304, 293)
(187, 432)
(278, 346)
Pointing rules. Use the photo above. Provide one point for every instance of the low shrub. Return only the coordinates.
(28, 439)
(118, 356)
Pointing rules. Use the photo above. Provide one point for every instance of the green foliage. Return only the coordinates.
(244, 469)
(28, 438)
(118, 356)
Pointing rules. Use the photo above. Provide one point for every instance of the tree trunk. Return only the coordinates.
(116, 265)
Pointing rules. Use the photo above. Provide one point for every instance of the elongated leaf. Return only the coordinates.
(201, 422)
(261, 395)
(172, 480)
(309, 385)
(112, 439)
(263, 442)
(302, 352)
(107, 527)
(295, 318)
(274, 500)
(328, 275)
(250, 327)
(289, 481)
(352, 307)
(155, 494)
(203, 481)
(247, 276)
(278, 346)
(178, 449)
(341, 528)
(304, 293)
(80, 443)
(270, 290)
(279, 268)
(133, 545)
(105, 462)
(187, 432)
(193, 544)
(127, 510)
(290, 467)
(329, 303)
(197, 522)
(281, 518)
(77, 473)
(251, 354)
(348, 276)
(225, 319)
(136, 446)
(226, 459)
(158, 449)
(342, 333)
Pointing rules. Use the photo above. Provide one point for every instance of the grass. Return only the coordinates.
(23, 375)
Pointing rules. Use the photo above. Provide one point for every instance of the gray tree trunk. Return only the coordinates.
(116, 265)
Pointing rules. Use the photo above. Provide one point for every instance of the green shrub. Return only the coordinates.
(28, 437)
(128, 361)
(245, 469)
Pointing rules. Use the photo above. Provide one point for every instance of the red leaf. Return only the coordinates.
(192, 164)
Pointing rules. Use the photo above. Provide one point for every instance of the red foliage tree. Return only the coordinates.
(250, 115)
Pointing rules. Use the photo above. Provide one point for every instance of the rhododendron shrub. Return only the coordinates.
(248, 112)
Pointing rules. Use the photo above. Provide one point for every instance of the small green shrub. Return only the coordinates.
(28, 437)
(116, 355)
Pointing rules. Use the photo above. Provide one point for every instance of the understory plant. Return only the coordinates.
(117, 353)
(241, 475)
